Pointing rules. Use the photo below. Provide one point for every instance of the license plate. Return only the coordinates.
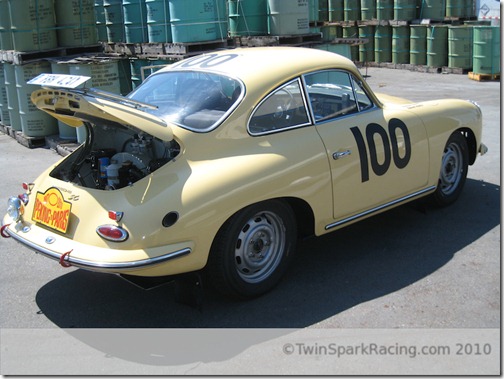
(52, 210)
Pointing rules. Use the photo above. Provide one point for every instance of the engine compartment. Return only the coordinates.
(114, 156)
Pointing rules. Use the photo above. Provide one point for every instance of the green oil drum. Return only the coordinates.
(383, 44)
(158, 21)
(4, 106)
(5, 27)
(222, 19)
(460, 46)
(456, 8)
(313, 10)
(101, 25)
(366, 50)
(405, 10)
(34, 122)
(248, 18)
(323, 10)
(33, 25)
(437, 46)
(288, 17)
(400, 44)
(196, 20)
(368, 9)
(486, 50)
(335, 10)
(114, 20)
(418, 44)
(135, 21)
(340, 48)
(331, 32)
(352, 32)
(76, 22)
(385, 9)
(432, 9)
(12, 98)
(351, 10)
(104, 73)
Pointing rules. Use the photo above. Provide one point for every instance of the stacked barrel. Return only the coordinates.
(434, 33)
(34, 34)
(56, 36)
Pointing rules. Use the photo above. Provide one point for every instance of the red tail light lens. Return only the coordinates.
(112, 233)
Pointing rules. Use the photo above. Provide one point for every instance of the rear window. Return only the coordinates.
(193, 100)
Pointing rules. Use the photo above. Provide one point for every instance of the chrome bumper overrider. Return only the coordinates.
(112, 267)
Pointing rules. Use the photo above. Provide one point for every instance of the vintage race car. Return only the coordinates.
(220, 162)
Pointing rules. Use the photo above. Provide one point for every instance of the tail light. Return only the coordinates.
(112, 233)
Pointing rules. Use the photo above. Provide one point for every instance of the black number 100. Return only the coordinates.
(390, 147)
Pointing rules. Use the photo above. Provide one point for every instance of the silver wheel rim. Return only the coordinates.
(451, 169)
(260, 247)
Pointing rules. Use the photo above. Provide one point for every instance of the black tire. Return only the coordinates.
(252, 249)
(453, 171)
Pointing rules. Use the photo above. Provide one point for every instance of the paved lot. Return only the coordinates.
(413, 267)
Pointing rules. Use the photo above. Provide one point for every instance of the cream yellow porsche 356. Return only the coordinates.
(218, 163)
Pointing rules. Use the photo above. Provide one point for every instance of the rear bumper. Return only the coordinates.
(66, 259)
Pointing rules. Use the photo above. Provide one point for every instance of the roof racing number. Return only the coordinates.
(390, 147)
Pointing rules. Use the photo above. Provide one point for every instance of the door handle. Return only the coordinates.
(341, 154)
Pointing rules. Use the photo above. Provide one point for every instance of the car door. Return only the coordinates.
(377, 156)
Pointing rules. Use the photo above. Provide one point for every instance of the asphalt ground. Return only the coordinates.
(412, 267)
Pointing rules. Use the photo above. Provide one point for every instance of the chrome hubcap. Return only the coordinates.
(259, 247)
(451, 169)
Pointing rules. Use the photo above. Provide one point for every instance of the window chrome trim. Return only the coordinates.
(297, 126)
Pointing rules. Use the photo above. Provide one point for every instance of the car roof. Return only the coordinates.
(254, 64)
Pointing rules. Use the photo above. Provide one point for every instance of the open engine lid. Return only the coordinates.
(73, 106)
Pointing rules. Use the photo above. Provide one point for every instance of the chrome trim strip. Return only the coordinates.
(380, 208)
(102, 266)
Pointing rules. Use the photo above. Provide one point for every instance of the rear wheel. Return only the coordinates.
(252, 250)
(453, 172)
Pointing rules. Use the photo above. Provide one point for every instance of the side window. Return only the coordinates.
(331, 94)
(282, 109)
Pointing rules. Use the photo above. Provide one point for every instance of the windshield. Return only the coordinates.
(193, 100)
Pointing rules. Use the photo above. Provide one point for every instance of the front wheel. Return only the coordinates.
(252, 250)
(453, 170)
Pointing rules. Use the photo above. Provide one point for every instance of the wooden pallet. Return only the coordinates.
(29, 142)
(284, 40)
(483, 77)
(22, 57)
(163, 50)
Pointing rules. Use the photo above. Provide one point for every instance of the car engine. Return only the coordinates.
(114, 156)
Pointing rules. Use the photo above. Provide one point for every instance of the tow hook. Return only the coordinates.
(3, 233)
(64, 262)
